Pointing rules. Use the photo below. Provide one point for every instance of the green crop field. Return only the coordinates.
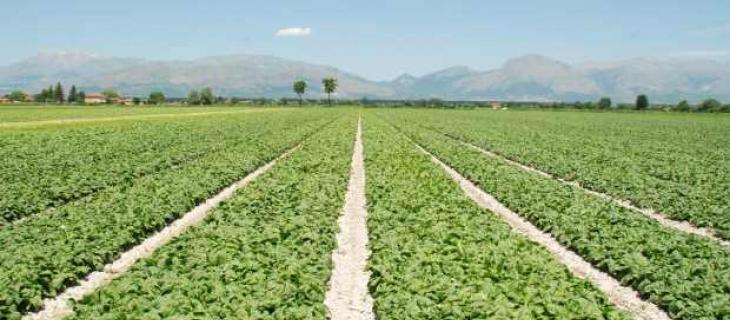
(627, 213)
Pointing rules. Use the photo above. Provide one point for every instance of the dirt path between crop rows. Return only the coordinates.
(623, 297)
(61, 307)
(40, 123)
(348, 297)
(682, 226)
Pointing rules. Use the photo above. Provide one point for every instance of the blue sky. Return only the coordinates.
(376, 39)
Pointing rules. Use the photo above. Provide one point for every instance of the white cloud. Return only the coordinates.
(293, 32)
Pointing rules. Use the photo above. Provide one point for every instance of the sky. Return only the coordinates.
(377, 39)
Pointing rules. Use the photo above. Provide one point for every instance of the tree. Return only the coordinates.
(206, 96)
(300, 87)
(330, 86)
(17, 96)
(136, 101)
(156, 97)
(72, 95)
(642, 102)
(193, 97)
(82, 97)
(604, 103)
(710, 105)
(683, 106)
(58, 93)
(110, 95)
(50, 94)
(41, 96)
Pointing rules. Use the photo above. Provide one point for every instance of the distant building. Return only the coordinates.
(26, 98)
(124, 101)
(495, 105)
(94, 98)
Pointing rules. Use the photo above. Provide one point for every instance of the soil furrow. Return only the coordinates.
(348, 297)
(682, 226)
(623, 297)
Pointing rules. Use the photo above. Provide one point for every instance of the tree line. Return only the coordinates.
(205, 96)
(642, 103)
(57, 95)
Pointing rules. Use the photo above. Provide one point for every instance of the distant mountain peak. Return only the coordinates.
(450, 72)
(405, 79)
(534, 61)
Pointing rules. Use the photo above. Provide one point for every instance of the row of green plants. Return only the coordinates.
(686, 275)
(264, 254)
(50, 167)
(48, 253)
(676, 165)
(436, 255)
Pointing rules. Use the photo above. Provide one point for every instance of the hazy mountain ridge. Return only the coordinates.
(539, 78)
(530, 77)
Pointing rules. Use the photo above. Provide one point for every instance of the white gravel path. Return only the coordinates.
(348, 297)
(60, 306)
(623, 297)
(682, 226)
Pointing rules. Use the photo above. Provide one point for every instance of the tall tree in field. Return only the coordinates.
(50, 94)
(604, 103)
(41, 96)
(156, 97)
(82, 97)
(73, 95)
(300, 87)
(710, 105)
(16, 96)
(683, 106)
(642, 102)
(58, 92)
(206, 96)
(193, 97)
(330, 86)
(110, 95)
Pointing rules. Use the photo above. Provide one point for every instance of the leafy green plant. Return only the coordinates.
(676, 164)
(684, 274)
(436, 255)
(47, 253)
(263, 254)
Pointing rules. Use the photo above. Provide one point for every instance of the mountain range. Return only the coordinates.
(524, 78)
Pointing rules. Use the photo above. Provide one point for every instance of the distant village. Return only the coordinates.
(58, 95)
